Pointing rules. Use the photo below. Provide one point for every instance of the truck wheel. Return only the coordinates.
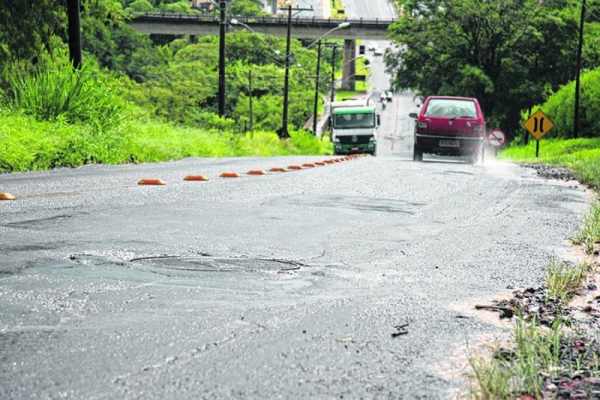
(417, 154)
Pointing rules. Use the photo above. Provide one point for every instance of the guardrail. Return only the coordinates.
(209, 19)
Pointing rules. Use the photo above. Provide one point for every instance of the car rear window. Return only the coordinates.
(451, 108)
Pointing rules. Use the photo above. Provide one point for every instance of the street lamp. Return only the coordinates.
(235, 21)
(342, 25)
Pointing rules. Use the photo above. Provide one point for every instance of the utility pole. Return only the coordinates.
(333, 55)
(286, 83)
(74, 33)
(578, 71)
(250, 107)
(316, 108)
(222, 25)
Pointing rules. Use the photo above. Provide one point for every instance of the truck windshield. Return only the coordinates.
(353, 121)
(451, 108)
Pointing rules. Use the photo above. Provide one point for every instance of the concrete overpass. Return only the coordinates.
(302, 28)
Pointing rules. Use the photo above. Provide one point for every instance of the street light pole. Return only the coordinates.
(286, 83)
(333, 55)
(74, 33)
(251, 117)
(578, 72)
(222, 24)
(316, 108)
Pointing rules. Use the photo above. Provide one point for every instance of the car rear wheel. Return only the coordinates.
(417, 154)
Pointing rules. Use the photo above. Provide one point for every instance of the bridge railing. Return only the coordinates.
(262, 20)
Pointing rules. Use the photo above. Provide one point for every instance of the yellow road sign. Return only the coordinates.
(539, 124)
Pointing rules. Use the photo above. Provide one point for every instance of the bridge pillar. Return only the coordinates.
(349, 69)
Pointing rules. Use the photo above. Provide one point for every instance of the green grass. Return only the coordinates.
(28, 144)
(589, 235)
(341, 95)
(582, 156)
(563, 280)
(535, 353)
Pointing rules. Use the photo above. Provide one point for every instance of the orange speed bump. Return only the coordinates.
(256, 172)
(230, 175)
(151, 182)
(308, 165)
(294, 167)
(195, 178)
(6, 196)
(278, 169)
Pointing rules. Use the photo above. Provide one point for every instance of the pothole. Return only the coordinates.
(219, 264)
(202, 263)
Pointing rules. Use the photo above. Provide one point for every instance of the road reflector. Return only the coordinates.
(6, 196)
(278, 169)
(538, 124)
(308, 165)
(195, 178)
(294, 167)
(230, 175)
(256, 172)
(151, 182)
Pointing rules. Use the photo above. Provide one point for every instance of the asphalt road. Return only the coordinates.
(281, 286)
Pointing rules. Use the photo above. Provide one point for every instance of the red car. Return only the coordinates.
(449, 126)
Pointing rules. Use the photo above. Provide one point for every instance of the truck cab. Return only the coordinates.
(354, 127)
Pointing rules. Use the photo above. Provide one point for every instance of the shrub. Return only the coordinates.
(56, 91)
(561, 107)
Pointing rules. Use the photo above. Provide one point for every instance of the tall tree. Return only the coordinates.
(507, 53)
(27, 27)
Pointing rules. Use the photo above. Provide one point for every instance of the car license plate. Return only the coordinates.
(355, 149)
(449, 143)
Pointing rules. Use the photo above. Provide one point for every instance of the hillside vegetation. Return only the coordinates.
(136, 99)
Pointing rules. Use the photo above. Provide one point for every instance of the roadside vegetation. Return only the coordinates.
(547, 358)
(137, 99)
(509, 54)
(589, 236)
(582, 156)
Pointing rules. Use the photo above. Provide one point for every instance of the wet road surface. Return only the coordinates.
(281, 286)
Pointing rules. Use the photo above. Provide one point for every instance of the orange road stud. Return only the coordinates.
(278, 169)
(294, 167)
(151, 182)
(230, 175)
(256, 172)
(308, 165)
(195, 178)
(6, 196)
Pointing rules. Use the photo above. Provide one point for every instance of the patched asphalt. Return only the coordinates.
(289, 285)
